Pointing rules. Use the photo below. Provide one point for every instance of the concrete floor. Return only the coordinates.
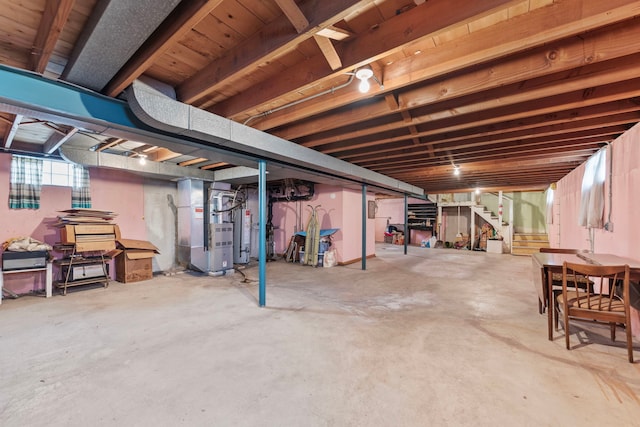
(439, 338)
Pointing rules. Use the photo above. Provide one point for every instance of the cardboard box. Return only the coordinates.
(134, 262)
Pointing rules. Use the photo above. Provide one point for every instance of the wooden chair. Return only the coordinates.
(556, 279)
(601, 305)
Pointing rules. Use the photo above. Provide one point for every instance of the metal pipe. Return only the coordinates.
(364, 226)
(300, 101)
(262, 235)
(406, 222)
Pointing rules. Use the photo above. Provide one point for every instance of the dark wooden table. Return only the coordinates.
(545, 264)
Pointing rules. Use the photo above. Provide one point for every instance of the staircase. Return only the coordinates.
(529, 243)
(503, 229)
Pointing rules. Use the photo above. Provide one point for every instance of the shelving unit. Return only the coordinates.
(77, 259)
(421, 216)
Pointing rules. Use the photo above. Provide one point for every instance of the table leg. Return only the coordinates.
(49, 281)
(550, 304)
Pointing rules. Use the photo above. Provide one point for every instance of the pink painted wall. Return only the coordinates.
(624, 208)
(339, 208)
(391, 211)
(116, 191)
(624, 239)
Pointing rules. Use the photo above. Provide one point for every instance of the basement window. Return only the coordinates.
(57, 173)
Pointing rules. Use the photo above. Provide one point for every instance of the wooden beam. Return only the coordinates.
(329, 52)
(388, 38)
(293, 14)
(12, 130)
(265, 46)
(478, 47)
(54, 17)
(110, 142)
(475, 138)
(56, 140)
(193, 161)
(214, 165)
(573, 54)
(186, 15)
(334, 33)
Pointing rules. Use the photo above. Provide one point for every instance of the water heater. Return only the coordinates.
(241, 236)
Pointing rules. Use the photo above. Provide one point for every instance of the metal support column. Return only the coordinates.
(262, 235)
(364, 226)
(406, 223)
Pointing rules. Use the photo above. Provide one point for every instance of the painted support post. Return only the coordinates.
(406, 223)
(364, 226)
(473, 227)
(262, 235)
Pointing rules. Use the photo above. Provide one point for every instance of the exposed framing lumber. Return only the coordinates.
(388, 38)
(180, 22)
(264, 46)
(12, 130)
(54, 17)
(473, 49)
(56, 140)
(293, 14)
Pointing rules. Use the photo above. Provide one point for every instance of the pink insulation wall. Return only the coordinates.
(625, 179)
(624, 207)
(116, 191)
(339, 208)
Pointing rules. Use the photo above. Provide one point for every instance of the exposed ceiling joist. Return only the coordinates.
(293, 14)
(54, 17)
(184, 18)
(11, 130)
(56, 140)
(271, 43)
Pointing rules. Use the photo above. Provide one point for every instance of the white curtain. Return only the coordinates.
(592, 200)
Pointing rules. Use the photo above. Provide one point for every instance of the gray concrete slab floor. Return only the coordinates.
(438, 337)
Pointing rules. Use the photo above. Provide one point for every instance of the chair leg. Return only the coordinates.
(612, 325)
(556, 313)
(627, 328)
(566, 328)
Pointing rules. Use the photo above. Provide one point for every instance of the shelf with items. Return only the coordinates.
(421, 216)
(93, 267)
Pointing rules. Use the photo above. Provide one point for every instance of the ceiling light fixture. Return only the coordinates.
(477, 191)
(456, 170)
(364, 74)
(142, 159)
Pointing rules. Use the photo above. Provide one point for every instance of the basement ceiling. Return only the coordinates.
(514, 93)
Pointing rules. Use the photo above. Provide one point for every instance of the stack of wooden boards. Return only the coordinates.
(88, 229)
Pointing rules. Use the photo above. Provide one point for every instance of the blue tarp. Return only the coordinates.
(323, 233)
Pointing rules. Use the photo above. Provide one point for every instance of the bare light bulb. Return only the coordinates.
(142, 160)
(456, 170)
(364, 86)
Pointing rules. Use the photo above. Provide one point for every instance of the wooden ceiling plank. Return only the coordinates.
(185, 17)
(387, 38)
(334, 33)
(514, 147)
(12, 130)
(471, 139)
(293, 14)
(599, 47)
(193, 161)
(329, 52)
(213, 165)
(264, 46)
(608, 94)
(56, 140)
(54, 17)
(110, 142)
